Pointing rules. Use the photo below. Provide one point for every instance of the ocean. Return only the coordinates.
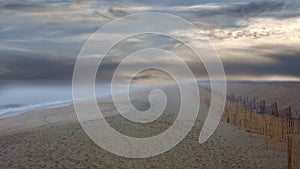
(18, 97)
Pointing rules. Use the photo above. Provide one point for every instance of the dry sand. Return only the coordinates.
(53, 138)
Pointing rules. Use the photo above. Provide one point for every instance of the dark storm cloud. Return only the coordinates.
(31, 65)
(30, 7)
(284, 64)
(22, 7)
(253, 9)
(117, 12)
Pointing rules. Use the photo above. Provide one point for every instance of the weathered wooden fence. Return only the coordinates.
(278, 128)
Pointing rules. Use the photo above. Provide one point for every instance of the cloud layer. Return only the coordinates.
(41, 40)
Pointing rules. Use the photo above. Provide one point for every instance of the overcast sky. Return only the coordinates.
(256, 40)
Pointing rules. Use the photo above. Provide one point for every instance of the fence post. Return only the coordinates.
(250, 124)
(266, 131)
(289, 151)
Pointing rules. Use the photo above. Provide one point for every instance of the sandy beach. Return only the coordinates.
(61, 58)
(53, 138)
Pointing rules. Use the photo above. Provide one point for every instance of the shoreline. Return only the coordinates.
(54, 138)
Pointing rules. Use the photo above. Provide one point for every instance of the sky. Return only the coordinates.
(256, 40)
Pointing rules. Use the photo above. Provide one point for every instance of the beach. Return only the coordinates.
(53, 138)
(140, 84)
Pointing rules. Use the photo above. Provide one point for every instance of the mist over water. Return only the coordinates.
(17, 97)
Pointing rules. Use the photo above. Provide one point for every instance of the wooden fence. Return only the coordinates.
(277, 127)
